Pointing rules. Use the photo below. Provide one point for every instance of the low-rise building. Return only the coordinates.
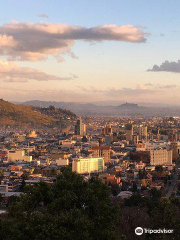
(161, 156)
(88, 165)
(18, 155)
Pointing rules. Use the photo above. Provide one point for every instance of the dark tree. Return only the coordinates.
(70, 209)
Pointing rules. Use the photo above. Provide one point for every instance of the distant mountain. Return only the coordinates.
(143, 104)
(128, 106)
(124, 109)
(22, 115)
(77, 108)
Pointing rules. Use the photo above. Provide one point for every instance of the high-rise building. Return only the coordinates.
(88, 165)
(84, 129)
(143, 132)
(107, 130)
(101, 151)
(80, 128)
(108, 139)
(129, 132)
(135, 139)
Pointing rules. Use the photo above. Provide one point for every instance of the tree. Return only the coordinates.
(1, 198)
(134, 200)
(166, 215)
(51, 107)
(1, 172)
(71, 208)
(159, 169)
(54, 171)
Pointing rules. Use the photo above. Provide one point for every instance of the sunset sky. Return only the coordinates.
(90, 50)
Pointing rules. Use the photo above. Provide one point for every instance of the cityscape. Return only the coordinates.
(89, 120)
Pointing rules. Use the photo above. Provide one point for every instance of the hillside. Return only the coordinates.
(56, 113)
(21, 115)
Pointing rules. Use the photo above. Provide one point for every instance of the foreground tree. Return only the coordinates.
(166, 215)
(69, 209)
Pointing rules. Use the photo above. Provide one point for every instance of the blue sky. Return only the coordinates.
(105, 70)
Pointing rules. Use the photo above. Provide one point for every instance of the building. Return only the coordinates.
(18, 155)
(16, 137)
(135, 138)
(143, 132)
(80, 128)
(129, 132)
(107, 130)
(108, 139)
(62, 162)
(109, 178)
(32, 134)
(67, 143)
(161, 156)
(141, 147)
(88, 165)
(102, 151)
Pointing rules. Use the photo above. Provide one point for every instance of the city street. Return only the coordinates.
(172, 187)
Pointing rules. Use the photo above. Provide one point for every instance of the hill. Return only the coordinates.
(125, 109)
(57, 113)
(22, 115)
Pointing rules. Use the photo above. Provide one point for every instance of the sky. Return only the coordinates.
(90, 51)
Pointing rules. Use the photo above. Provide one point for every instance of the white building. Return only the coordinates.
(62, 162)
(18, 155)
(161, 156)
(88, 165)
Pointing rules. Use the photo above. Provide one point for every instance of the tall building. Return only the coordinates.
(129, 132)
(160, 156)
(108, 139)
(101, 151)
(107, 130)
(88, 165)
(143, 132)
(80, 128)
(135, 138)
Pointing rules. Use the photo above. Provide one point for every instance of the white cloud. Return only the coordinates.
(12, 72)
(36, 41)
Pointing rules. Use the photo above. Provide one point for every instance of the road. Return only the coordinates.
(173, 185)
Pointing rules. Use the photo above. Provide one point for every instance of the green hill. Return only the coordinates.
(20, 115)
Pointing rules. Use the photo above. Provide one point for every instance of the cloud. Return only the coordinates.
(167, 66)
(74, 75)
(160, 86)
(53, 94)
(36, 41)
(12, 72)
(42, 15)
(89, 94)
(115, 92)
(132, 92)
